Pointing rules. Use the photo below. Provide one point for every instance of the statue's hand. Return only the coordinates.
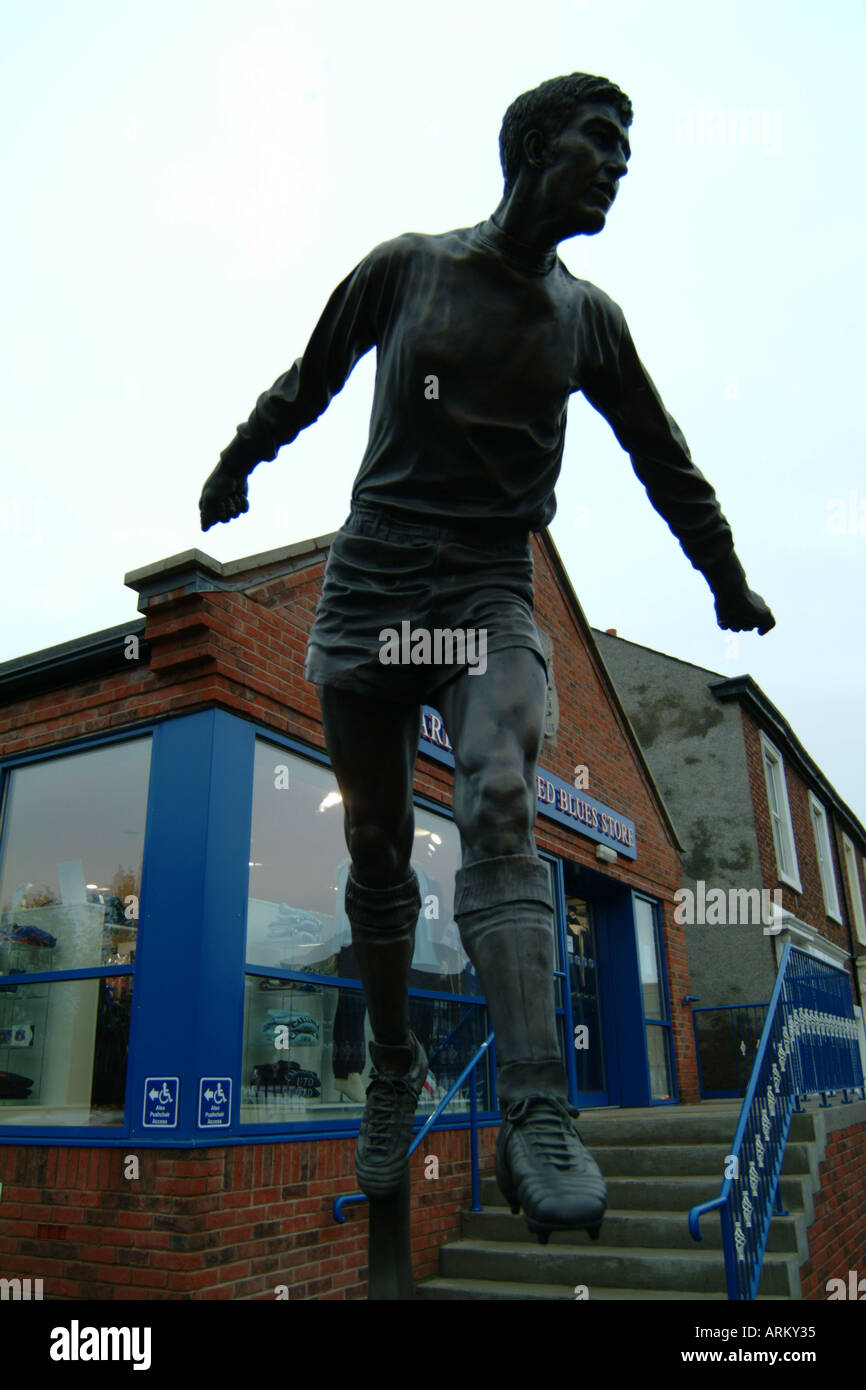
(223, 498)
(742, 610)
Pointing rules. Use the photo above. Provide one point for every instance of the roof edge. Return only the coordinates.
(69, 662)
(750, 695)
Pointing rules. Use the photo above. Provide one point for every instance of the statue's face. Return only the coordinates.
(590, 157)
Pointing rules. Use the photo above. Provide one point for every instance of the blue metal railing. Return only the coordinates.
(470, 1072)
(726, 1041)
(808, 1045)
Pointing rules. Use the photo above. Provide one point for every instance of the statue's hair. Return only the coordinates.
(549, 108)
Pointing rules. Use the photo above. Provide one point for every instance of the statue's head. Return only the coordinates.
(569, 129)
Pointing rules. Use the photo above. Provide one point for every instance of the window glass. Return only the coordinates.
(63, 1051)
(298, 868)
(854, 888)
(648, 956)
(306, 1054)
(585, 1005)
(72, 846)
(70, 879)
(825, 859)
(773, 770)
(780, 814)
(658, 1053)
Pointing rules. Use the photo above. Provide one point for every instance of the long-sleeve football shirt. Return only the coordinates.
(480, 343)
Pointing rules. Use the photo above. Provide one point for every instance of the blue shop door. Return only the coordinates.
(582, 983)
(580, 987)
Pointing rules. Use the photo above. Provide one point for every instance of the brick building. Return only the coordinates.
(183, 1044)
(756, 814)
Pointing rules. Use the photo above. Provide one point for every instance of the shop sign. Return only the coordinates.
(557, 800)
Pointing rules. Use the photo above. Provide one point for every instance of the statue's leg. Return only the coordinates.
(504, 908)
(372, 745)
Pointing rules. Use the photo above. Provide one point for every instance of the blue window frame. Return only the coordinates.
(72, 835)
(193, 976)
(655, 1001)
(190, 968)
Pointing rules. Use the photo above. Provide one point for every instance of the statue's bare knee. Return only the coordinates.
(380, 853)
(496, 815)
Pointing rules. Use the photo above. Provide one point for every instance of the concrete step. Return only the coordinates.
(674, 1126)
(657, 1166)
(653, 1230)
(661, 1193)
(686, 1160)
(497, 1289)
(522, 1262)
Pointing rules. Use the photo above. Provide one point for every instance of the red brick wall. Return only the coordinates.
(808, 905)
(224, 1223)
(837, 1236)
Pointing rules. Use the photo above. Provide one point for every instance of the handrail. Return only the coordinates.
(808, 1045)
(742, 1019)
(446, 1100)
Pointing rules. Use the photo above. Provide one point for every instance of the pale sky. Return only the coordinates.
(184, 184)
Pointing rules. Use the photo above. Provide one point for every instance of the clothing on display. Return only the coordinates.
(303, 1030)
(285, 1076)
(295, 925)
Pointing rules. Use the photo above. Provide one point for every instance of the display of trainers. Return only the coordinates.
(381, 1155)
(542, 1166)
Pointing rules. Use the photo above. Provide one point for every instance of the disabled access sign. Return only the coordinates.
(160, 1102)
(214, 1102)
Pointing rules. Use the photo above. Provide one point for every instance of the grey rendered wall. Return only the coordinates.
(695, 749)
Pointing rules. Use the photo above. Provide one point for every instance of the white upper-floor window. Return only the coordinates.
(854, 888)
(780, 814)
(821, 826)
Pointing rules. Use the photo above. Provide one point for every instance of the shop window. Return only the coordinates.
(305, 1026)
(306, 1054)
(63, 1051)
(825, 858)
(854, 889)
(298, 869)
(70, 882)
(780, 814)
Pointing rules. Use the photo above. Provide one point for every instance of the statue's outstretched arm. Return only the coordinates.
(344, 333)
(621, 389)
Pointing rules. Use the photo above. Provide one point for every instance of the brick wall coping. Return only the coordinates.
(196, 571)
